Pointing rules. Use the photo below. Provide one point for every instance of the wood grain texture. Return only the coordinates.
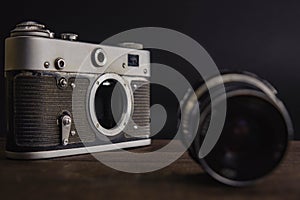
(83, 177)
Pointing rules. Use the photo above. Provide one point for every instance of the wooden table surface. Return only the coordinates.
(83, 177)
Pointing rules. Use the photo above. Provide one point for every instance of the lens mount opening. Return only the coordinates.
(110, 104)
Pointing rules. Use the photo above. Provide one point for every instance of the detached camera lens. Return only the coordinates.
(255, 133)
(253, 140)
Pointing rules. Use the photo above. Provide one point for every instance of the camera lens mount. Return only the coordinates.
(110, 104)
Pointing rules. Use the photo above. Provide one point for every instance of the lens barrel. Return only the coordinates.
(255, 134)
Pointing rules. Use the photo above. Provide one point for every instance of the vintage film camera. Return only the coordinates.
(66, 97)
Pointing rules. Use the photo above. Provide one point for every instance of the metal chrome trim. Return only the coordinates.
(75, 151)
(30, 53)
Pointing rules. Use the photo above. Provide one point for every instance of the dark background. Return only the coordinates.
(259, 36)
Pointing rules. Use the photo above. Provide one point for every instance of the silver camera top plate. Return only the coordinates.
(28, 48)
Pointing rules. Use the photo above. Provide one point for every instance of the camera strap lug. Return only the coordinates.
(65, 124)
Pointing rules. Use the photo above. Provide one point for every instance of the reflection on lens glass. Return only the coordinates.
(110, 103)
(252, 142)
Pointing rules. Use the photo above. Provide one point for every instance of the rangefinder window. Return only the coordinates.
(133, 60)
